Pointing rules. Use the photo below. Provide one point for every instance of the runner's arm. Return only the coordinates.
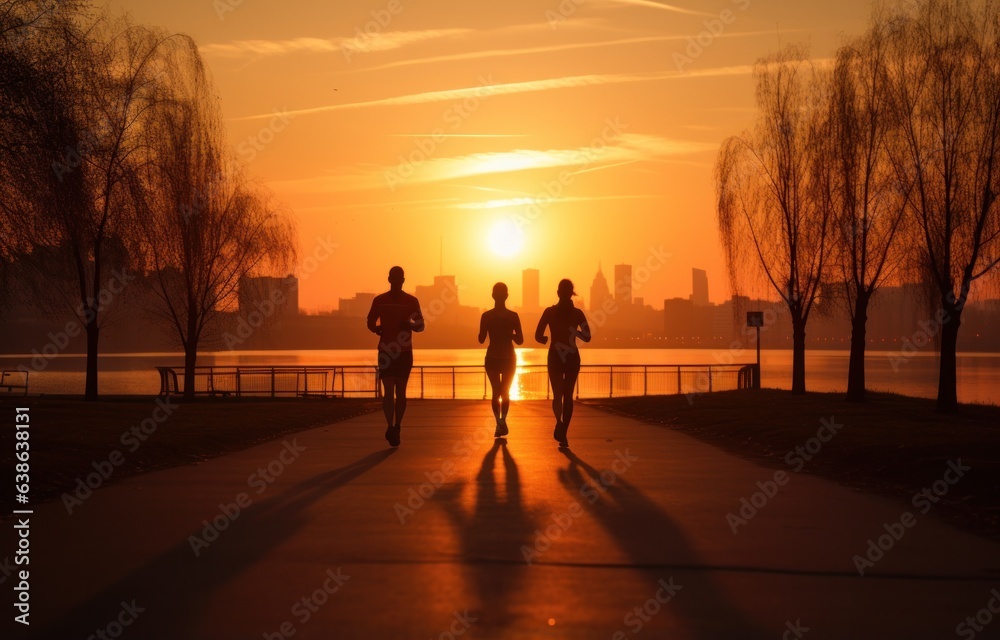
(373, 316)
(540, 336)
(584, 332)
(417, 318)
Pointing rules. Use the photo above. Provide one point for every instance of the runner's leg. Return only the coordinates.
(556, 380)
(400, 404)
(506, 378)
(569, 386)
(388, 398)
(495, 387)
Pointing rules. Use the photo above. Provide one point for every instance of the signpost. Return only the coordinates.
(756, 319)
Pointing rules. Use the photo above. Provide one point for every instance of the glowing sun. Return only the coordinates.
(505, 239)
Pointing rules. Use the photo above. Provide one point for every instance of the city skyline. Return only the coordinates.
(544, 285)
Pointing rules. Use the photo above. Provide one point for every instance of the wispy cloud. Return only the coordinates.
(381, 204)
(660, 6)
(555, 48)
(378, 42)
(458, 135)
(504, 203)
(715, 72)
(627, 148)
(497, 53)
(488, 89)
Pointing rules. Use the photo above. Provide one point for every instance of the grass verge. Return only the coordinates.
(69, 435)
(892, 445)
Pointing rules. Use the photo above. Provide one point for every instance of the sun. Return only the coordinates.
(505, 239)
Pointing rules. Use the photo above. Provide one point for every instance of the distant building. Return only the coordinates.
(623, 285)
(724, 321)
(699, 288)
(599, 292)
(443, 289)
(282, 292)
(678, 319)
(441, 308)
(356, 307)
(529, 289)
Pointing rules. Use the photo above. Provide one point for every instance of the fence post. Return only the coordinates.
(272, 382)
(710, 378)
(453, 383)
(238, 385)
(645, 380)
(611, 382)
(421, 383)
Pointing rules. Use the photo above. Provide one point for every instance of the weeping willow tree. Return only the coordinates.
(205, 226)
(774, 188)
(76, 87)
(944, 83)
(869, 196)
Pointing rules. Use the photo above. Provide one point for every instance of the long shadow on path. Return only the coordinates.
(491, 536)
(650, 537)
(175, 587)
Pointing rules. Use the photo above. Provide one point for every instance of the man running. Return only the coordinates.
(394, 316)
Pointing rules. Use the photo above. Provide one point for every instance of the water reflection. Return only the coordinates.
(978, 373)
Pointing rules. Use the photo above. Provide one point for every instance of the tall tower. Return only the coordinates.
(599, 291)
(623, 285)
(529, 289)
(699, 288)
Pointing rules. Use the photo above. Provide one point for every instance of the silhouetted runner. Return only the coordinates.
(566, 323)
(394, 316)
(503, 327)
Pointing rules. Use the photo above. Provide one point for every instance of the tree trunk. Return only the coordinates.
(798, 355)
(190, 349)
(93, 332)
(856, 368)
(190, 358)
(947, 400)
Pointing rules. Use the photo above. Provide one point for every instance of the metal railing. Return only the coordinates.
(14, 382)
(457, 382)
(273, 381)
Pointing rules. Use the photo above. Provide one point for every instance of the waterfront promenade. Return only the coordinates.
(328, 533)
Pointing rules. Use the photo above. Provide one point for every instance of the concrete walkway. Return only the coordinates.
(330, 534)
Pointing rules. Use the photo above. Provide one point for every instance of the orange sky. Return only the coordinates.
(496, 105)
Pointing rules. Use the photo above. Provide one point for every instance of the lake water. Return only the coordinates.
(978, 373)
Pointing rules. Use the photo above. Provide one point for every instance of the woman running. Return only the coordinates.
(566, 323)
(503, 327)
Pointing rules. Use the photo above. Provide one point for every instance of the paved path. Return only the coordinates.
(632, 512)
